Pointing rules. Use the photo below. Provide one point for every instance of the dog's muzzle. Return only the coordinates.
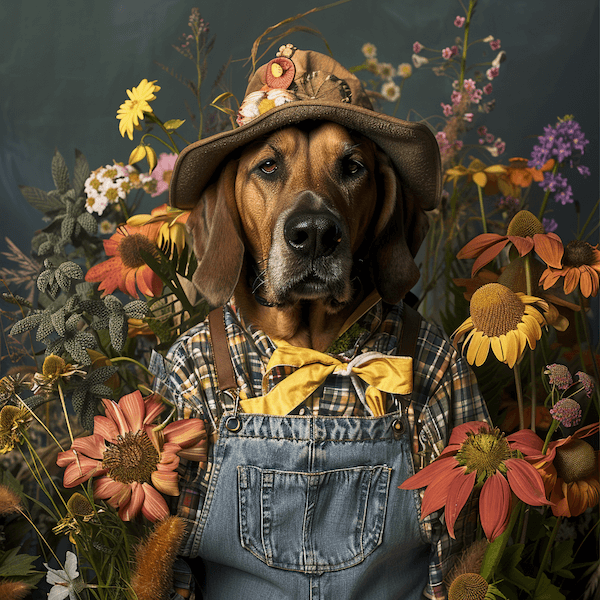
(312, 234)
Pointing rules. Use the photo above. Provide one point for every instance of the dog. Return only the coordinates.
(300, 226)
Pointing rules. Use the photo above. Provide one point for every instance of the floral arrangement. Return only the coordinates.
(91, 452)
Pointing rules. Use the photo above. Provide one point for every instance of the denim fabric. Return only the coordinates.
(309, 508)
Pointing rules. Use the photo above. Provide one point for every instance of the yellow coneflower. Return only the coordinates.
(54, 369)
(580, 267)
(9, 501)
(79, 508)
(502, 320)
(153, 577)
(14, 420)
(13, 590)
(132, 111)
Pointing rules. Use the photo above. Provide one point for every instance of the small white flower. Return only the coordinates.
(405, 70)
(386, 71)
(488, 39)
(65, 583)
(500, 58)
(390, 91)
(419, 61)
(369, 50)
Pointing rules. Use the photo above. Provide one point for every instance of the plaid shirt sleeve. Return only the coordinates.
(445, 395)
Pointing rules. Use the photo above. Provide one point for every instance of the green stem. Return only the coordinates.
(519, 396)
(593, 213)
(546, 196)
(549, 435)
(495, 550)
(463, 61)
(64, 408)
(483, 221)
(172, 147)
(546, 554)
(586, 335)
(198, 87)
(529, 288)
(131, 360)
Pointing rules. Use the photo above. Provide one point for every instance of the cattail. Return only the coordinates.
(9, 501)
(13, 590)
(153, 576)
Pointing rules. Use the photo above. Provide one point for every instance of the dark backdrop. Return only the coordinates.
(65, 66)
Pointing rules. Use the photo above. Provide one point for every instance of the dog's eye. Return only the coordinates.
(352, 166)
(268, 167)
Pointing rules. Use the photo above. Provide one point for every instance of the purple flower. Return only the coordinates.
(495, 45)
(487, 89)
(459, 21)
(549, 225)
(586, 381)
(583, 170)
(567, 412)
(417, 47)
(561, 141)
(559, 376)
(565, 197)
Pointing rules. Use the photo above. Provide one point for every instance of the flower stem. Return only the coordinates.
(546, 196)
(483, 221)
(546, 554)
(529, 288)
(463, 60)
(586, 335)
(131, 360)
(519, 397)
(495, 550)
(64, 408)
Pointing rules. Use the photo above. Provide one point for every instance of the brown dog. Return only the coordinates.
(301, 225)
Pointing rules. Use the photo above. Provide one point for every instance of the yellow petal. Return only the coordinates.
(138, 153)
(152, 158)
(474, 347)
(483, 351)
(497, 349)
(480, 178)
(510, 349)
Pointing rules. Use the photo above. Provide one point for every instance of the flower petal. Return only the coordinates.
(133, 408)
(80, 470)
(523, 244)
(494, 506)
(477, 245)
(458, 493)
(166, 482)
(528, 442)
(106, 428)
(549, 247)
(153, 408)
(116, 414)
(488, 255)
(107, 487)
(154, 508)
(92, 446)
(185, 433)
(132, 508)
(525, 482)
(428, 475)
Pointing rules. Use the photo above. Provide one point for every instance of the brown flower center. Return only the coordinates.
(132, 458)
(575, 461)
(53, 366)
(80, 506)
(130, 247)
(468, 586)
(578, 253)
(484, 452)
(495, 310)
(525, 224)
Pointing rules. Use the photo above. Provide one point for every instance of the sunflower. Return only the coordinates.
(569, 468)
(126, 267)
(503, 320)
(479, 456)
(580, 267)
(131, 112)
(131, 459)
(525, 233)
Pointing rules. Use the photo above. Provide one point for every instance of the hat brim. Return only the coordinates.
(411, 147)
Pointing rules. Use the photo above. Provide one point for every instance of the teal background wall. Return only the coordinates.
(65, 66)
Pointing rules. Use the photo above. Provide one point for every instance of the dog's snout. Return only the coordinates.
(313, 234)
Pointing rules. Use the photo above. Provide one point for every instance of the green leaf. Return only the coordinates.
(26, 324)
(173, 124)
(161, 329)
(562, 555)
(117, 329)
(547, 591)
(88, 222)
(40, 200)
(60, 173)
(137, 309)
(80, 173)
(13, 564)
(67, 228)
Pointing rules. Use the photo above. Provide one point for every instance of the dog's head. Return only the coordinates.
(311, 212)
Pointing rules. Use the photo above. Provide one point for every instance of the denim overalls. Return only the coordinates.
(308, 507)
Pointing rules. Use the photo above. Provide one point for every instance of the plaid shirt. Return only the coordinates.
(445, 394)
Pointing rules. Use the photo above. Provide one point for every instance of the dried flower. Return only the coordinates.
(14, 420)
(54, 370)
(567, 412)
(9, 501)
(586, 381)
(153, 576)
(13, 590)
(559, 375)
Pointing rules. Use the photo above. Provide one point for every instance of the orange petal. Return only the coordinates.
(114, 412)
(477, 245)
(129, 283)
(571, 279)
(153, 408)
(488, 255)
(528, 442)
(185, 432)
(107, 487)
(154, 507)
(458, 493)
(436, 494)
(133, 409)
(548, 246)
(525, 482)
(132, 508)
(523, 244)
(428, 475)
(81, 470)
(494, 506)
(106, 428)
(92, 446)
(166, 482)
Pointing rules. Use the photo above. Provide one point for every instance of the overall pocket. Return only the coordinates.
(312, 522)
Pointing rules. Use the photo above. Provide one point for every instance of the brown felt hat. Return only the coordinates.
(299, 86)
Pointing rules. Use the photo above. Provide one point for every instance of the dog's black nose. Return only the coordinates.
(313, 234)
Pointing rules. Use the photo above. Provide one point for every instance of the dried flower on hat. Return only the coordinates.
(280, 73)
(257, 103)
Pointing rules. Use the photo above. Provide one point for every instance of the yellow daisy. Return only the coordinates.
(131, 112)
(502, 320)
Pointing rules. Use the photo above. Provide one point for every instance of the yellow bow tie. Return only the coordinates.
(382, 373)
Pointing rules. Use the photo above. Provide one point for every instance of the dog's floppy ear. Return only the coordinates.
(217, 242)
(401, 227)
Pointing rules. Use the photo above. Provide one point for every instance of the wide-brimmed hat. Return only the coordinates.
(300, 86)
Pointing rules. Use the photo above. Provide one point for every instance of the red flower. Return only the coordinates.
(131, 460)
(479, 456)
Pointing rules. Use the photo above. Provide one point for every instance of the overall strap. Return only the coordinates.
(222, 359)
(411, 325)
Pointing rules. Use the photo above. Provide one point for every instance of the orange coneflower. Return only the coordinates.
(502, 320)
(569, 468)
(126, 267)
(580, 267)
(482, 456)
(520, 175)
(525, 233)
(131, 459)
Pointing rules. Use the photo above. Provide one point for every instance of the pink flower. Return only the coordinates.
(447, 108)
(162, 172)
(459, 21)
(468, 117)
(447, 53)
(417, 47)
(487, 89)
(133, 463)
(469, 85)
(495, 45)
(456, 97)
(492, 73)
(476, 96)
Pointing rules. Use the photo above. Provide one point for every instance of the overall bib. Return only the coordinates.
(308, 508)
